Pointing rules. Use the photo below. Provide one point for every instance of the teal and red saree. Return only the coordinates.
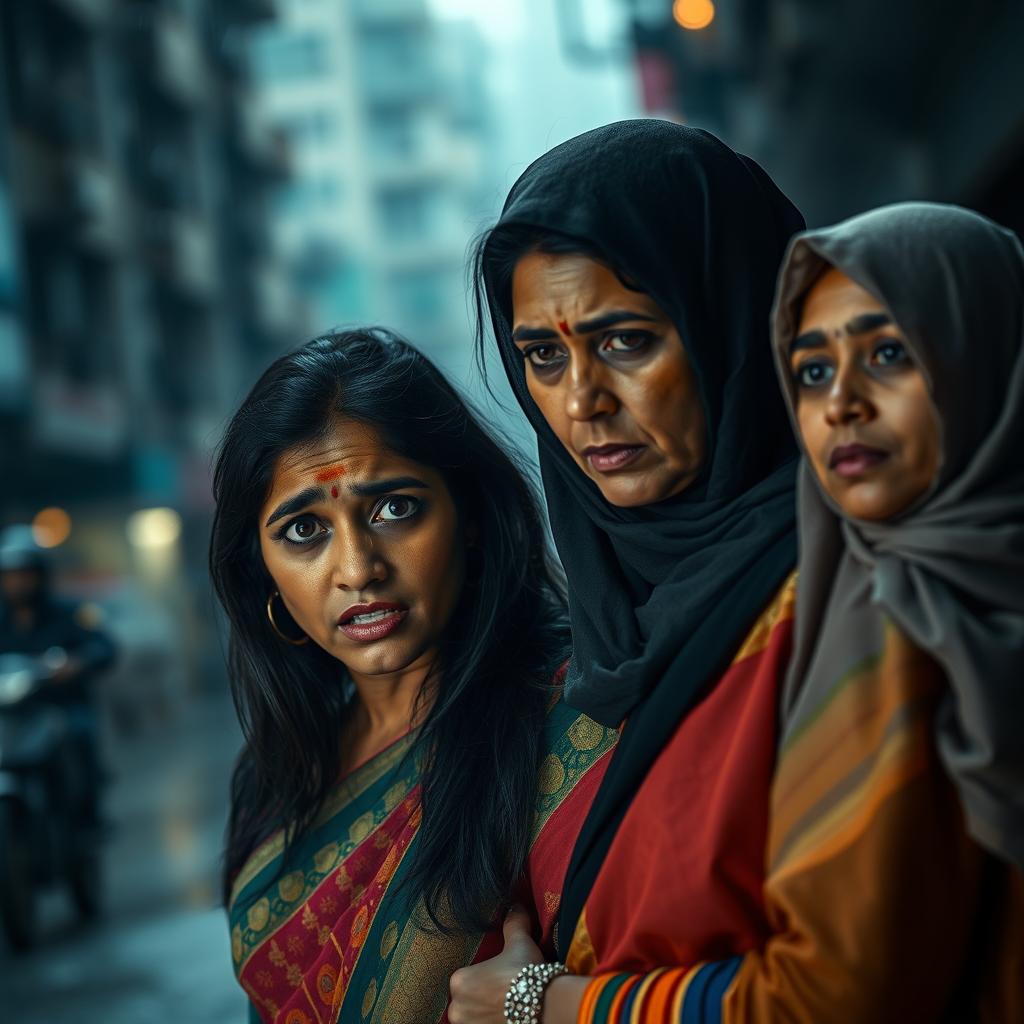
(336, 939)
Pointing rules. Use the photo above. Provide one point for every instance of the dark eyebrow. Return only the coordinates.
(615, 316)
(597, 323)
(297, 504)
(810, 339)
(867, 322)
(533, 334)
(858, 325)
(378, 487)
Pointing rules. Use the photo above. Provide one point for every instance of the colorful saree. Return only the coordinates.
(682, 880)
(878, 904)
(334, 939)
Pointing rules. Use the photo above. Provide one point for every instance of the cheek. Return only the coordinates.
(812, 426)
(433, 561)
(549, 402)
(916, 427)
(272, 563)
(664, 401)
(296, 580)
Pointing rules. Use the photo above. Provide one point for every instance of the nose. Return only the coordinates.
(848, 400)
(357, 563)
(587, 392)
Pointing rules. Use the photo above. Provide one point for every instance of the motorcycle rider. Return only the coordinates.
(34, 621)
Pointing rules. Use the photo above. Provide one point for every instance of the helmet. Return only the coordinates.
(20, 550)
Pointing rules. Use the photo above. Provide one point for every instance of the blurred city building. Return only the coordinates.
(386, 111)
(850, 105)
(139, 287)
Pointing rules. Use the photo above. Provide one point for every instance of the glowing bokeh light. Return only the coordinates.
(51, 527)
(154, 528)
(693, 14)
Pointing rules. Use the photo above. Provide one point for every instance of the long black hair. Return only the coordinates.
(478, 743)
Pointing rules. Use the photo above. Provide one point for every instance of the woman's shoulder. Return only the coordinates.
(567, 728)
(775, 621)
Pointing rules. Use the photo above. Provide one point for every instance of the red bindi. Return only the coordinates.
(564, 328)
(334, 491)
(331, 473)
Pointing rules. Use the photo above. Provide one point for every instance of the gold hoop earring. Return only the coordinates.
(273, 625)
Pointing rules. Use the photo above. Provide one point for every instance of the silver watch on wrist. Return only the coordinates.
(524, 1001)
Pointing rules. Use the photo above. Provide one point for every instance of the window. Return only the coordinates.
(290, 56)
(393, 134)
(309, 127)
(407, 213)
(304, 196)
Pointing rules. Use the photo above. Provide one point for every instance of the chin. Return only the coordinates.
(870, 507)
(624, 499)
(377, 663)
(625, 494)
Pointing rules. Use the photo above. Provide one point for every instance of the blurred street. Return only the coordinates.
(160, 950)
(191, 188)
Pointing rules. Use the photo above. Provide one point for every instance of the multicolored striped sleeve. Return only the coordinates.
(665, 996)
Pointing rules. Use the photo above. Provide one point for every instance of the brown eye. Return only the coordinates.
(891, 353)
(627, 341)
(397, 507)
(542, 355)
(813, 373)
(302, 530)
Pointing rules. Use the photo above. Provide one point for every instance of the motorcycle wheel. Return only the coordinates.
(17, 882)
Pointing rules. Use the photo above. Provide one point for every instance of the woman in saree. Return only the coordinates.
(893, 889)
(629, 283)
(395, 627)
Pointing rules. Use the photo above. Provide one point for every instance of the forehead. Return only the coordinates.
(545, 284)
(834, 297)
(348, 453)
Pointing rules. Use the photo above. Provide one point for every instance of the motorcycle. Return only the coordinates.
(46, 837)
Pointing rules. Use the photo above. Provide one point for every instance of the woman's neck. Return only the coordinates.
(388, 705)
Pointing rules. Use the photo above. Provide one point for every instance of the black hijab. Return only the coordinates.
(661, 596)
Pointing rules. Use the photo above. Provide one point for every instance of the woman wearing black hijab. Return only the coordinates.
(629, 283)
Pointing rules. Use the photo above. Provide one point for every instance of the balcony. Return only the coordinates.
(274, 300)
(263, 146)
(95, 204)
(181, 248)
(165, 47)
(76, 192)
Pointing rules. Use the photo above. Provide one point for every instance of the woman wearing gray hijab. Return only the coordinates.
(897, 836)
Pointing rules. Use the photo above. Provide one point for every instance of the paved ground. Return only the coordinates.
(160, 952)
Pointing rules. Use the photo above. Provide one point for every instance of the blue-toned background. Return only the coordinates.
(190, 187)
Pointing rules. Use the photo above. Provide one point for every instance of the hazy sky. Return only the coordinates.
(496, 19)
(540, 96)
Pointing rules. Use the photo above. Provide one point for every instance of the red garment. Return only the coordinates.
(683, 879)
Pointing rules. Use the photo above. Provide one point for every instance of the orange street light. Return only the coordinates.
(693, 14)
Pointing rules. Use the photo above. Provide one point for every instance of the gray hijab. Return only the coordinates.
(949, 571)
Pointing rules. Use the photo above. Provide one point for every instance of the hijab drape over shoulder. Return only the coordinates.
(702, 230)
(948, 572)
(661, 596)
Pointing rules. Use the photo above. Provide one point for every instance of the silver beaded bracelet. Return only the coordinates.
(524, 1001)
